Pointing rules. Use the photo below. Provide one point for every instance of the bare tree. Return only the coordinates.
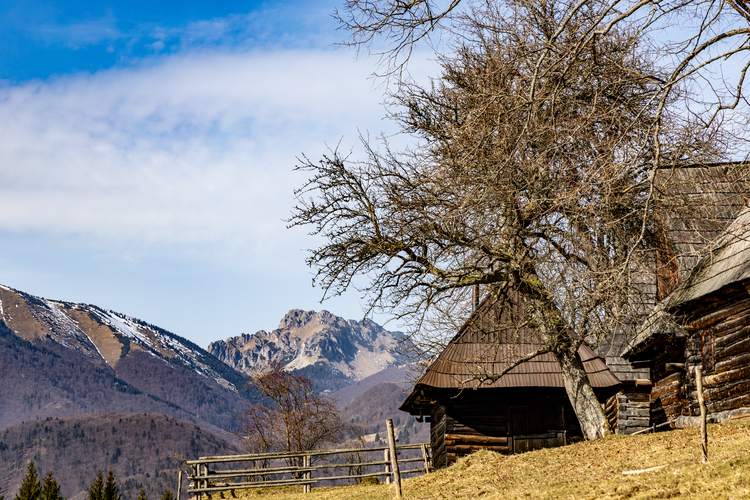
(532, 177)
(705, 32)
(703, 46)
(288, 415)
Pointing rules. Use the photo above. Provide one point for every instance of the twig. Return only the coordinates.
(643, 471)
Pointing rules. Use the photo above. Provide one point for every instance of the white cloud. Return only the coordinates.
(193, 149)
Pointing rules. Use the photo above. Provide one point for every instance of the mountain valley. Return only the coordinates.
(80, 385)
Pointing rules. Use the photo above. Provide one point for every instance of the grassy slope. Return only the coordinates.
(590, 470)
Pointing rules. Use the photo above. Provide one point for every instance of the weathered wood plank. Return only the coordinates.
(630, 421)
(718, 315)
(736, 349)
(734, 362)
(640, 412)
(630, 430)
(635, 406)
(730, 337)
(726, 377)
(738, 401)
(670, 400)
(469, 439)
(727, 390)
(472, 448)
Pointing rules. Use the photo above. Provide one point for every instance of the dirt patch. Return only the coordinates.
(20, 317)
(101, 335)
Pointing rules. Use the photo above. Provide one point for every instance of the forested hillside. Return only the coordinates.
(140, 448)
(370, 410)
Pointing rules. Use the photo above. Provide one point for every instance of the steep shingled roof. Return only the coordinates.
(479, 349)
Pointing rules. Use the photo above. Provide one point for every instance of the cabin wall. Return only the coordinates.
(725, 344)
(476, 422)
(438, 423)
(668, 396)
(501, 420)
(611, 410)
(628, 411)
(718, 339)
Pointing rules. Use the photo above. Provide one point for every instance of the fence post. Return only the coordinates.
(179, 485)
(387, 458)
(394, 457)
(702, 404)
(306, 475)
(191, 476)
(205, 481)
(426, 459)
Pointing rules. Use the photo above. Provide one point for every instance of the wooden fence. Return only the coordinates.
(214, 474)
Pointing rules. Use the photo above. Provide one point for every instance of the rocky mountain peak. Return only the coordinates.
(332, 351)
(297, 318)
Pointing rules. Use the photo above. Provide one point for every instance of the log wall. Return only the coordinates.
(611, 408)
(484, 419)
(724, 319)
(727, 386)
(476, 421)
(438, 423)
(629, 410)
(668, 394)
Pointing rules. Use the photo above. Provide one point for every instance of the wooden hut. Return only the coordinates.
(641, 384)
(629, 410)
(703, 201)
(523, 410)
(704, 323)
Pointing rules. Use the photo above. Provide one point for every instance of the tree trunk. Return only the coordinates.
(589, 411)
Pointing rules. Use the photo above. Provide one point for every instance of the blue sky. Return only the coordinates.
(147, 148)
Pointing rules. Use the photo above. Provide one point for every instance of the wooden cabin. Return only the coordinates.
(629, 410)
(705, 324)
(525, 409)
(641, 383)
(704, 200)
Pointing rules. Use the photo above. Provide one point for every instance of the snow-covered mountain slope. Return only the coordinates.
(104, 336)
(61, 359)
(330, 350)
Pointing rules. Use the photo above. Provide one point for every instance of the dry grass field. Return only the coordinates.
(589, 470)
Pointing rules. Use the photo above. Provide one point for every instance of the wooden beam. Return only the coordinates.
(394, 457)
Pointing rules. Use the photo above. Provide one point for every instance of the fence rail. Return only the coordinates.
(259, 471)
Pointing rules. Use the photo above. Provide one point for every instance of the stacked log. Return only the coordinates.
(469, 443)
(727, 385)
(634, 412)
(438, 424)
(476, 426)
(668, 398)
(611, 411)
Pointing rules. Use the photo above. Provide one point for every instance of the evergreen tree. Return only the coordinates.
(168, 495)
(1, 497)
(141, 494)
(96, 490)
(31, 488)
(50, 488)
(111, 489)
